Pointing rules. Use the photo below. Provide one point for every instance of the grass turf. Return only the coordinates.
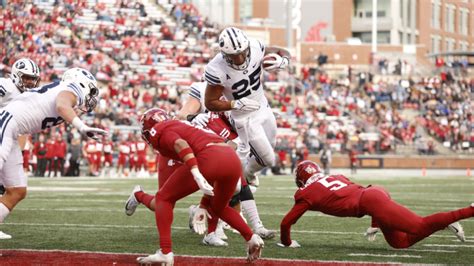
(87, 214)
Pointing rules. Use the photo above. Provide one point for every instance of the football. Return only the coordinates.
(269, 60)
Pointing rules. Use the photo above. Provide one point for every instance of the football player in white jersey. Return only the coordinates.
(25, 75)
(194, 111)
(33, 111)
(235, 73)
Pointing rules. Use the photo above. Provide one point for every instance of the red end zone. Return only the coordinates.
(58, 257)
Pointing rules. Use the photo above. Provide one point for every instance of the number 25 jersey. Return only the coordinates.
(239, 83)
(35, 109)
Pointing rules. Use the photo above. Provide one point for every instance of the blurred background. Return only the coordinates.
(372, 84)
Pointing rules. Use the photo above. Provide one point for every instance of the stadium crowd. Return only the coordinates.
(147, 60)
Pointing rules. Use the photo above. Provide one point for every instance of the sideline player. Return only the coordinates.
(194, 111)
(235, 73)
(36, 110)
(195, 148)
(25, 75)
(338, 196)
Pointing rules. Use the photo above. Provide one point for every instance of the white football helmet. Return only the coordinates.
(87, 83)
(235, 46)
(25, 74)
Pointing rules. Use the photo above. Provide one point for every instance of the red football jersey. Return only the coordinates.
(220, 124)
(164, 135)
(334, 195)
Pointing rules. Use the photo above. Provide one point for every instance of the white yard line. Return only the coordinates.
(384, 255)
(449, 246)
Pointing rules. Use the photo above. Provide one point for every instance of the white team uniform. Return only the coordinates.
(197, 90)
(28, 113)
(8, 91)
(257, 128)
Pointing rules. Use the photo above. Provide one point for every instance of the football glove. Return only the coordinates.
(202, 182)
(276, 62)
(245, 105)
(91, 132)
(294, 244)
(201, 119)
(199, 220)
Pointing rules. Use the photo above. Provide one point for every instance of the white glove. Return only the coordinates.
(201, 119)
(202, 182)
(294, 244)
(199, 220)
(245, 105)
(276, 62)
(91, 132)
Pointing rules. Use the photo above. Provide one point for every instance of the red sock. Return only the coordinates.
(144, 198)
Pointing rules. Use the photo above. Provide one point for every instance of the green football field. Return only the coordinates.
(87, 214)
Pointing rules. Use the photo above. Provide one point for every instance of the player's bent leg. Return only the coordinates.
(12, 196)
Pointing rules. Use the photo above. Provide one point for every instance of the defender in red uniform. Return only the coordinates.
(338, 196)
(207, 160)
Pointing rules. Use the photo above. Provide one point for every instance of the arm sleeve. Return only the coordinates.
(195, 92)
(212, 75)
(291, 218)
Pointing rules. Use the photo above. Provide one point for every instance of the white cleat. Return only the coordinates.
(371, 233)
(191, 211)
(213, 240)
(458, 231)
(4, 236)
(254, 248)
(132, 202)
(220, 230)
(264, 233)
(158, 257)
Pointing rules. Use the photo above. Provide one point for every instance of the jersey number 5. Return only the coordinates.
(240, 88)
(332, 185)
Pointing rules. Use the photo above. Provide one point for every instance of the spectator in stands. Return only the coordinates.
(326, 158)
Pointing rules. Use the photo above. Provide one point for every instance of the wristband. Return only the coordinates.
(77, 123)
(185, 152)
(191, 162)
(190, 118)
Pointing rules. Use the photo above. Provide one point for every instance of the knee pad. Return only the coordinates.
(246, 193)
(234, 200)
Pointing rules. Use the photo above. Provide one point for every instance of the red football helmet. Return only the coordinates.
(149, 119)
(305, 170)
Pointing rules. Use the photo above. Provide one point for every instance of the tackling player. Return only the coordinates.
(25, 75)
(338, 196)
(36, 110)
(195, 148)
(194, 110)
(235, 73)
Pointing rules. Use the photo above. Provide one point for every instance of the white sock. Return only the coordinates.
(249, 208)
(4, 211)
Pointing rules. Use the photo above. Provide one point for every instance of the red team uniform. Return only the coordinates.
(217, 162)
(141, 147)
(338, 196)
(108, 153)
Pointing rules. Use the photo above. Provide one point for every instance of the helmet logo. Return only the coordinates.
(310, 169)
(221, 42)
(20, 65)
(88, 75)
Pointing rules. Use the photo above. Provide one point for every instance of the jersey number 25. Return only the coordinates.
(240, 88)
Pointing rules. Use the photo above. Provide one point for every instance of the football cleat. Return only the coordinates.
(213, 240)
(132, 202)
(264, 233)
(4, 236)
(191, 211)
(458, 231)
(220, 230)
(371, 233)
(158, 257)
(254, 248)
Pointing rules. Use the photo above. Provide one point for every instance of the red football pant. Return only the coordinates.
(222, 168)
(401, 227)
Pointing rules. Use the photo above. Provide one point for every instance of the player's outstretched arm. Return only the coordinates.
(191, 107)
(65, 103)
(186, 154)
(212, 99)
(291, 218)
